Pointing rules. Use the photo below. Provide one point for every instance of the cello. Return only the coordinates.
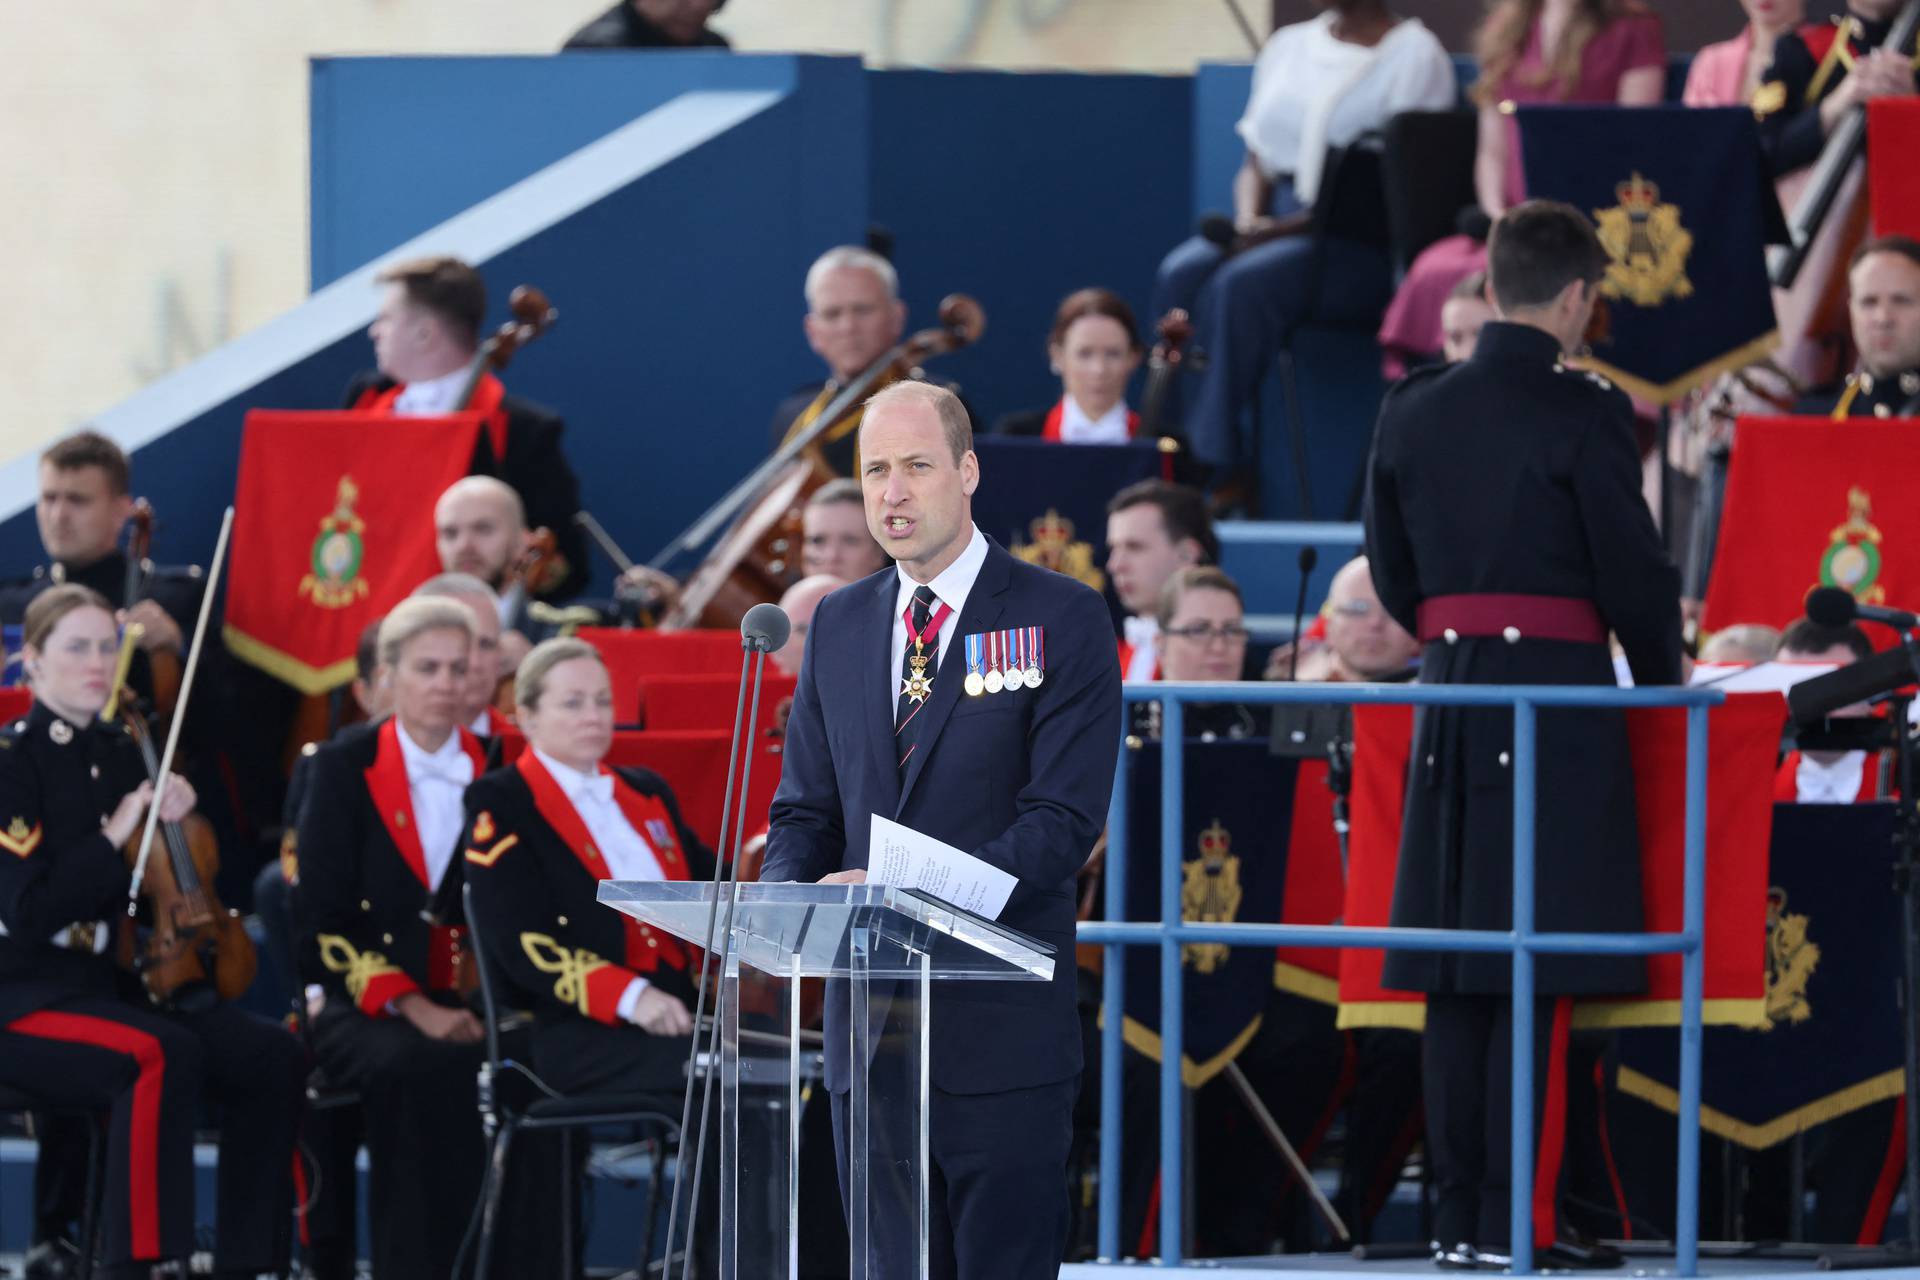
(196, 951)
(755, 559)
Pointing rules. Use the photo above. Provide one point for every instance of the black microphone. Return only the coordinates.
(1836, 607)
(1472, 221)
(1217, 228)
(1308, 558)
(1811, 700)
(765, 628)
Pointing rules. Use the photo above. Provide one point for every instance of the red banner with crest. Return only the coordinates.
(333, 526)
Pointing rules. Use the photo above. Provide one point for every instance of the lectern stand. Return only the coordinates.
(889, 945)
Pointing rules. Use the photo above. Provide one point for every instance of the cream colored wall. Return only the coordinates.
(154, 156)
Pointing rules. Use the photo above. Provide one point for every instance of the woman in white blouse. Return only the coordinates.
(1320, 84)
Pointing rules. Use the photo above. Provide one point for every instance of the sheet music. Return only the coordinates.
(899, 855)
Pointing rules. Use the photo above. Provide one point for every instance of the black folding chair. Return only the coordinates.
(21, 1102)
(639, 1113)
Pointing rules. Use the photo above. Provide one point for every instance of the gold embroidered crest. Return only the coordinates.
(1053, 547)
(1791, 960)
(1852, 558)
(1211, 894)
(19, 839)
(483, 827)
(1648, 246)
(335, 560)
(1769, 98)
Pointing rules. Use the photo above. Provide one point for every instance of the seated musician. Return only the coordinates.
(1820, 73)
(1154, 529)
(84, 504)
(798, 603)
(854, 316)
(77, 1031)
(1095, 347)
(1462, 316)
(1883, 304)
(481, 688)
(379, 837)
(1362, 641)
(834, 537)
(1202, 636)
(425, 341)
(611, 998)
(1826, 777)
(1744, 643)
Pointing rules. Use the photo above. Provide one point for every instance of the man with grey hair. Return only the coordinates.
(485, 668)
(854, 316)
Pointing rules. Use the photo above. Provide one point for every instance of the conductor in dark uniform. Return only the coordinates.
(1506, 530)
(425, 340)
(1019, 777)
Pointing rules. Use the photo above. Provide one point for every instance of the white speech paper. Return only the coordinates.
(899, 855)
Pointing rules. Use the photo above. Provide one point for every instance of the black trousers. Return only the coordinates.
(1467, 1067)
(426, 1152)
(150, 1072)
(997, 1195)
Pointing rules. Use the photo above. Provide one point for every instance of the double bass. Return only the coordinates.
(757, 557)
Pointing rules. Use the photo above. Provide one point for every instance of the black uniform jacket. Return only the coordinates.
(61, 881)
(535, 874)
(1510, 474)
(1865, 396)
(361, 901)
(534, 465)
(1807, 67)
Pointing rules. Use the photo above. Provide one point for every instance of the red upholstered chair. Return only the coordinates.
(633, 656)
(694, 763)
(706, 702)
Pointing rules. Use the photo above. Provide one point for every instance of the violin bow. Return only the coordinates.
(180, 710)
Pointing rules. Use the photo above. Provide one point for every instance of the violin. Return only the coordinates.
(756, 559)
(1164, 366)
(195, 952)
(163, 666)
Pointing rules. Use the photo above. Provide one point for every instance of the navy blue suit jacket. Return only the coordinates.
(1020, 779)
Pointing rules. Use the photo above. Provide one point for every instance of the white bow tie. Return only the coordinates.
(1139, 631)
(598, 788)
(459, 772)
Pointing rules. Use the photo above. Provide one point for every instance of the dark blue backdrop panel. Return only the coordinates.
(399, 145)
(1019, 188)
(1219, 100)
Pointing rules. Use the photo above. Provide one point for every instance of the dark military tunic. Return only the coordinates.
(177, 590)
(77, 1033)
(1808, 65)
(1864, 396)
(1510, 474)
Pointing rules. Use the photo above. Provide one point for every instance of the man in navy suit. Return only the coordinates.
(1019, 776)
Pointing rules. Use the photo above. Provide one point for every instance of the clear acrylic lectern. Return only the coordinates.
(889, 945)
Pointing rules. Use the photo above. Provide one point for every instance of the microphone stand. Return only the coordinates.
(753, 658)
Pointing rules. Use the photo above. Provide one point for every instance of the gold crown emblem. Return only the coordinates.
(1216, 842)
(1052, 530)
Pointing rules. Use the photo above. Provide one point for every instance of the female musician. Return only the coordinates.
(1203, 633)
(76, 1032)
(379, 838)
(1095, 347)
(610, 996)
(1317, 85)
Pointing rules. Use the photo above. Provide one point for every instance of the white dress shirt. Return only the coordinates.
(950, 587)
(628, 854)
(1836, 783)
(431, 398)
(437, 780)
(1143, 634)
(1077, 428)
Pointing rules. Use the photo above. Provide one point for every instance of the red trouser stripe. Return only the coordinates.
(1553, 1128)
(1874, 1226)
(143, 1145)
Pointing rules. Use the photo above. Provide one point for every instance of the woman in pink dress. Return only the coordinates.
(1727, 73)
(1530, 51)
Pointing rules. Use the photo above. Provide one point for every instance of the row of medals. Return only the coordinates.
(995, 681)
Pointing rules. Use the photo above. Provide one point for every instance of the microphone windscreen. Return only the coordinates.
(1811, 700)
(1217, 228)
(1831, 606)
(1472, 221)
(766, 627)
(1309, 557)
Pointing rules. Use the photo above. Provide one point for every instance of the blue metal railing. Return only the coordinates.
(1522, 942)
